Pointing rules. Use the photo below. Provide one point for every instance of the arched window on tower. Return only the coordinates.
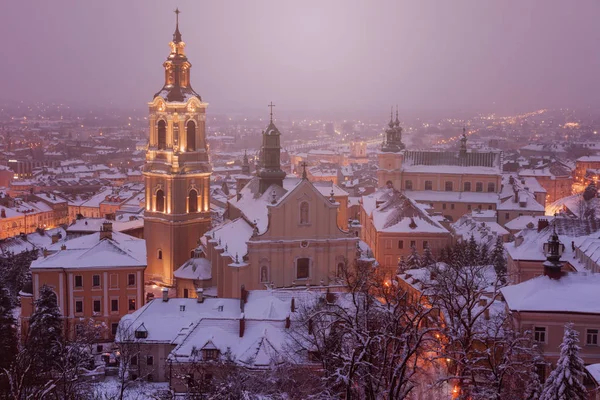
(160, 201)
(162, 135)
(190, 130)
(304, 213)
(193, 201)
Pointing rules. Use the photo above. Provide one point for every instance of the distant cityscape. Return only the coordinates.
(169, 252)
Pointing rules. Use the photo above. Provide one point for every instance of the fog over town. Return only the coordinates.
(300, 200)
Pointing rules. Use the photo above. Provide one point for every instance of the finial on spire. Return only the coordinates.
(397, 122)
(271, 106)
(177, 34)
(304, 176)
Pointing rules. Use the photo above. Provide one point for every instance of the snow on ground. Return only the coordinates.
(139, 390)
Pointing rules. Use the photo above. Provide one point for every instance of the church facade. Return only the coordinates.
(177, 170)
(282, 232)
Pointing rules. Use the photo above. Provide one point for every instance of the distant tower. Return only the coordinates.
(245, 165)
(391, 155)
(463, 143)
(177, 171)
(269, 170)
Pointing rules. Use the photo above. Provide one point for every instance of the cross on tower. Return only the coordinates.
(177, 12)
(303, 165)
(271, 106)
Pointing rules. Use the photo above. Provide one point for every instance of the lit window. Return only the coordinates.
(131, 304)
(160, 201)
(193, 201)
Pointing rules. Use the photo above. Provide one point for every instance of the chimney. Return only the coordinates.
(46, 252)
(288, 322)
(165, 294)
(63, 247)
(3, 213)
(200, 295)
(542, 224)
(106, 230)
(242, 325)
(55, 238)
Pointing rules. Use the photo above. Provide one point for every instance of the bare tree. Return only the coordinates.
(485, 357)
(371, 342)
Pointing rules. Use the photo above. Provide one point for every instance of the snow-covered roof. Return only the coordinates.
(393, 212)
(455, 197)
(575, 292)
(106, 253)
(529, 243)
(233, 236)
(198, 268)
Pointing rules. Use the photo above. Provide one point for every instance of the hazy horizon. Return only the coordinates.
(335, 56)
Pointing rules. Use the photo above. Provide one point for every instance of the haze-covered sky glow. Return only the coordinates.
(354, 55)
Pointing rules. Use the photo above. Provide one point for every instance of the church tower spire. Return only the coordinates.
(270, 172)
(177, 170)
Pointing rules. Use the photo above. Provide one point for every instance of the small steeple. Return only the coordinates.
(463, 143)
(245, 164)
(177, 34)
(553, 249)
(269, 170)
(391, 123)
(304, 176)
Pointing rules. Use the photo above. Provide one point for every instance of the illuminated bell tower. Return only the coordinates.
(391, 156)
(177, 171)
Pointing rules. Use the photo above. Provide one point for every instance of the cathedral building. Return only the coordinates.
(177, 170)
(282, 232)
(451, 183)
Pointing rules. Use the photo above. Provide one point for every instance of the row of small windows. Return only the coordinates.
(159, 202)
(96, 282)
(190, 132)
(413, 243)
(449, 186)
(540, 335)
(302, 270)
(97, 305)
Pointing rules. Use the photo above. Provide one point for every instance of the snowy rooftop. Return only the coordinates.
(195, 269)
(529, 243)
(574, 292)
(393, 212)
